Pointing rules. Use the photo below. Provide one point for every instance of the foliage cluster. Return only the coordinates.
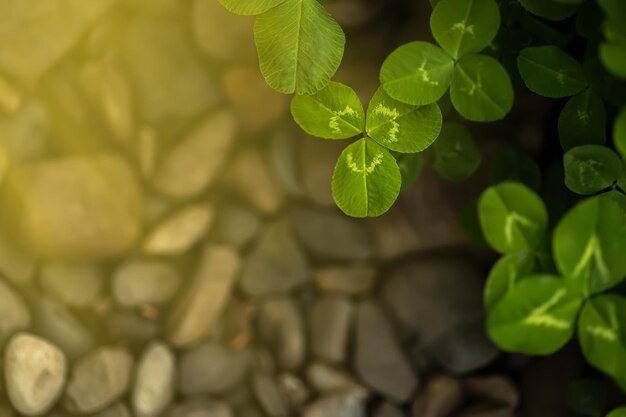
(560, 260)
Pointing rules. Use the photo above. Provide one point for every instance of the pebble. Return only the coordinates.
(496, 391)
(17, 265)
(28, 49)
(212, 368)
(269, 396)
(282, 326)
(79, 207)
(282, 157)
(76, 284)
(35, 373)
(440, 398)
(98, 380)
(294, 388)
(139, 282)
(337, 405)
(154, 380)
(57, 323)
(236, 225)
(196, 161)
(332, 235)
(330, 328)
(465, 348)
(394, 235)
(180, 232)
(251, 177)
(378, 358)
(14, 314)
(127, 325)
(195, 312)
(389, 410)
(433, 295)
(116, 410)
(276, 263)
(326, 379)
(317, 160)
(349, 280)
(200, 407)
(171, 83)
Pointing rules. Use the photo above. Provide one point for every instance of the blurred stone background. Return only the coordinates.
(169, 245)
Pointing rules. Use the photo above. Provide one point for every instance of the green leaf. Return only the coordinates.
(454, 154)
(511, 165)
(367, 179)
(591, 168)
(402, 127)
(465, 26)
(549, 9)
(610, 88)
(505, 275)
(335, 112)
(583, 121)
(250, 7)
(602, 334)
(618, 412)
(619, 132)
(589, 245)
(536, 317)
(513, 217)
(615, 10)
(417, 73)
(481, 90)
(550, 72)
(300, 46)
(410, 167)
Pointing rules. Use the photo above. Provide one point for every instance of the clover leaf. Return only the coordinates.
(417, 73)
(583, 121)
(618, 412)
(335, 112)
(512, 165)
(536, 317)
(591, 168)
(550, 72)
(300, 46)
(550, 9)
(465, 26)
(513, 217)
(589, 245)
(481, 89)
(602, 334)
(454, 154)
(402, 127)
(367, 179)
(505, 274)
(410, 167)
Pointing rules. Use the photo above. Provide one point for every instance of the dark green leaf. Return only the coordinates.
(513, 217)
(587, 397)
(619, 132)
(300, 46)
(335, 112)
(583, 121)
(589, 245)
(417, 73)
(619, 412)
(367, 179)
(402, 127)
(481, 90)
(602, 334)
(465, 26)
(505, 274)
(410, 167)
(549, 9)
(536, 317)
(550, 72)
(591, 168)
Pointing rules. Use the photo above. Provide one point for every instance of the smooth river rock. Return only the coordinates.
(155, 380)
(35, 373)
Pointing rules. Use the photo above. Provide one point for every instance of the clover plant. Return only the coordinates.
(562, 267)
